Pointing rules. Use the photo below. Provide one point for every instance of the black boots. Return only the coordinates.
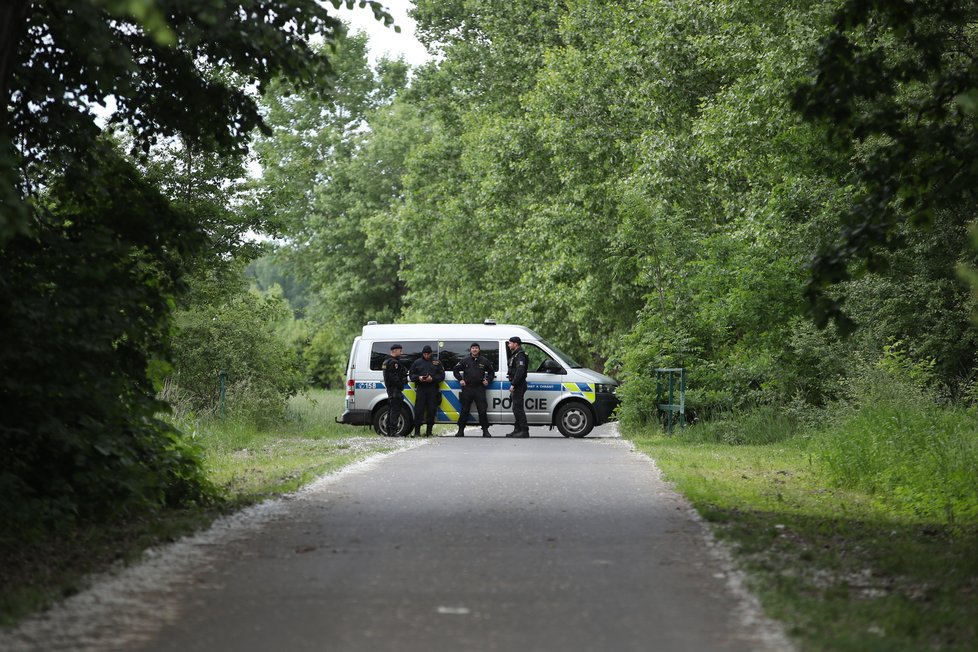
(461, 432)
(427, 432)
(519, 433)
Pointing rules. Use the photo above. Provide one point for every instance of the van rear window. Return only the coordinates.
(411, 352)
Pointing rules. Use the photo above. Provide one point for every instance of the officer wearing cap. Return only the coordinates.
(517, 386)
(474, 373)
(427, 375)
(395, 377)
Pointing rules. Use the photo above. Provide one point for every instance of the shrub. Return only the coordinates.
(242, 338)
(893, 441)
(764, 424)
(85, 304)
(325, 359)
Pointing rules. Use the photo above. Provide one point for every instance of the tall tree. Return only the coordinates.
(896, 85)
(326, 172)
(93, 254)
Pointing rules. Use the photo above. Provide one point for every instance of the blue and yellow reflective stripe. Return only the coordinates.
(580, 389)
(450, 404)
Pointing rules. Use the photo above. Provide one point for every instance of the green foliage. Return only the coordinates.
(892, 441)
(815, 364)
(920, 302)
(842, 570)
(894, 86)
(646, 349)
(324, 181)
(241, 337)
(762, 425)
(269, 271)
(246, 462)
(723, 206)
(64, 57)
(325, 359)
(84, 304)
(640, 223)
(95, 253)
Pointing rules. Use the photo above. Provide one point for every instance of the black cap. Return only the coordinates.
(396, 346)
(475, 344)
(516, 339)
(426, 349)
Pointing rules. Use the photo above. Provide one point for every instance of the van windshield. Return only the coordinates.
(571, 362)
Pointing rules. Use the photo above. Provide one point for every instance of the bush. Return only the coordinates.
(764, 424)
(242, 338)
(325, 359)
(893, 441)
(85, 304)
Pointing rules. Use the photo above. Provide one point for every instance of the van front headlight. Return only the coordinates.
(602, 388)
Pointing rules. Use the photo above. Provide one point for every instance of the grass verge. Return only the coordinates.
(246, 464)
(842, 567)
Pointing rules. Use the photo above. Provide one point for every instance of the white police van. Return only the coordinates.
(560, 392)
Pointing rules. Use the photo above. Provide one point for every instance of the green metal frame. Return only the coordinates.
(672, 408)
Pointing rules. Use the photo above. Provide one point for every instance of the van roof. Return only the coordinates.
(474, 332)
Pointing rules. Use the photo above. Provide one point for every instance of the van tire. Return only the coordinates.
(380, 421)
(574, 419)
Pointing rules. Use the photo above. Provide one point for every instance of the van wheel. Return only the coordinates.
(574, 420)
(380, 422)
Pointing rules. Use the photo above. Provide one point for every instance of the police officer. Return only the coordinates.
(474, 373)
(426, 374)
(517, 386)
(395, 377)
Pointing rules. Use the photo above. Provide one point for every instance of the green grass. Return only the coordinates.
(843, 567)
(245, 463)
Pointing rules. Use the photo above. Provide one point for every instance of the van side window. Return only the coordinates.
(380, 351)
(535, 357)
(452, 351)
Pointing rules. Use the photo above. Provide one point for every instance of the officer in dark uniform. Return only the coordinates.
(517, 386)
(475, 373)
(426, 374)
(395, 377)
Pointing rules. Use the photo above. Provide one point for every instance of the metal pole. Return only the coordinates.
(658, 392)
(672, 383)
(682, 397)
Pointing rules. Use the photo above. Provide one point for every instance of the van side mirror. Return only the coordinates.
(551, 367)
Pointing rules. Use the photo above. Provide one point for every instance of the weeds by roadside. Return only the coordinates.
(861, 533)
(245, 464)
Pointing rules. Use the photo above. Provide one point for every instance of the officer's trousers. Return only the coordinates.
(519, 408)
(477, 395)
(426, 404)
(395, 396)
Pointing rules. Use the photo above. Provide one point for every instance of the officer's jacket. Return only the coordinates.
(474, 370)
(422, 367)
(517, 367)
(395, 373)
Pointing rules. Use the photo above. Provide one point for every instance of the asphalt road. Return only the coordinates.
(461, 544)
